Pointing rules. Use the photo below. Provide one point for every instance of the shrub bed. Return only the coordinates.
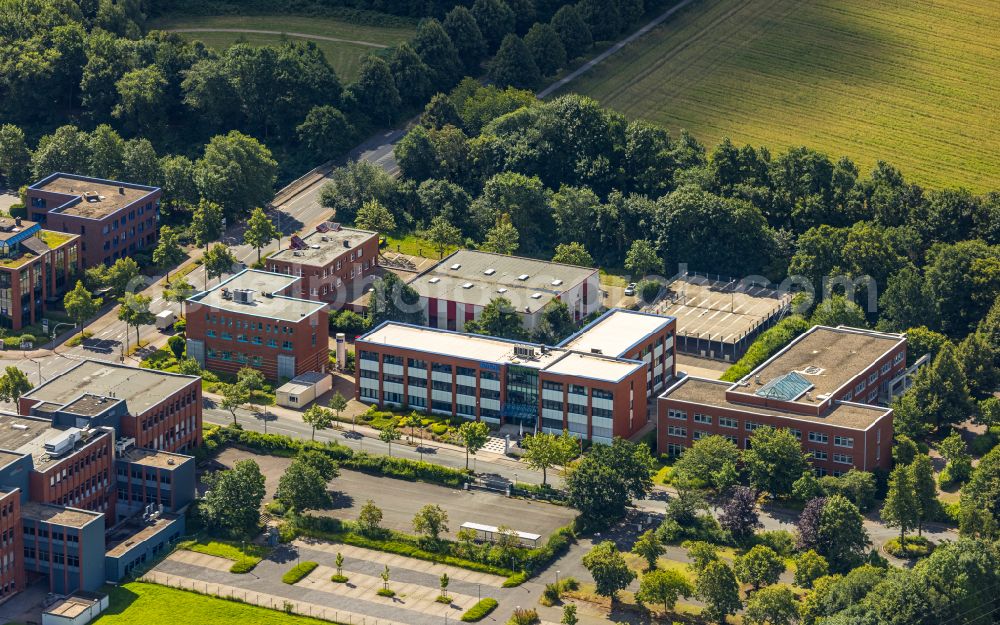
(916, 547)
(338, 579)
(391, 542)
(481, 610)
(297, 572)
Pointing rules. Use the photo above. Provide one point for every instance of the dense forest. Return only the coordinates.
(71, 70)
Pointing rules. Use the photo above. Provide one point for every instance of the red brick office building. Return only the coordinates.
(253, 320)
(113, 219)
(160, 410)
(36, 268)
(830, 387)
(334, 263)
(594, 395)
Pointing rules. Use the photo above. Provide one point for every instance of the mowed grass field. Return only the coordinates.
(344, 44)
(150, 604)
(912, 82)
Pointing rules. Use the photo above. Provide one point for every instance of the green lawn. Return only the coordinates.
(345, 57)
(151, 604)
(912, 83)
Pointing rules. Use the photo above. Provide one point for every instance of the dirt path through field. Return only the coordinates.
(656, 21)
(279, 32)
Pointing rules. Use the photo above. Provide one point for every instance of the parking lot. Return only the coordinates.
(400, 500)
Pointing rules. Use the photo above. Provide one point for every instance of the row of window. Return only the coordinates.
(243, 324)
(750, 426)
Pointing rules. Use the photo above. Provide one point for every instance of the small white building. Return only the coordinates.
(77, 609)
(303, 389)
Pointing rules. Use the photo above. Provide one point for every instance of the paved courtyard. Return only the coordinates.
(400, 500)
(415, 582)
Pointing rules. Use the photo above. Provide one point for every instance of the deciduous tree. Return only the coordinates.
(649, 547)
(664, 587)
(302, 487)
(543, 451)
(260, 231)
(375, 217)
(431, 520)
(318, 418)
(474, 435)
(739, 514)
(232, 501)
(13, 384)
(774, 605)
(80, 305)
(774, 460)
(609, 569)
(717, 587)
(760, 566)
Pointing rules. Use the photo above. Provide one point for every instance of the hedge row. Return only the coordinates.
(215, 438)
(297, 572)
(326, 528)
(481, 610)
(766, 345)
(405, 469)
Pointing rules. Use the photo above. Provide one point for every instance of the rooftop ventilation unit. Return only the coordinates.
(62, 443)
(434, 280)
(347, 243)
(490, 271)
(524, 351)
(556, 282)
(324, 239)
(243, 296)
(596, 350)
(536, 296)
(523, 277)
(467, 285)
(226, 294)
(456, 266)
(314, 246)
(501, 290)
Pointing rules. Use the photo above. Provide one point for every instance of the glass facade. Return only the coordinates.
(522, 395)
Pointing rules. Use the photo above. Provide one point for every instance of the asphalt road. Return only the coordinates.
(445, 456)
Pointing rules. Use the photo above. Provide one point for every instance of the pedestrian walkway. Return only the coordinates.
(394, 561)
(495, 444)
(365, 587)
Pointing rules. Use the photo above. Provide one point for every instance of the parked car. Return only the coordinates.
(630, 289)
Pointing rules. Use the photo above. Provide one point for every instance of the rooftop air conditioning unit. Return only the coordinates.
(457, 266)
(325, 239)
(524, 351)
(523, 277)
(62, 443)
(490, 271)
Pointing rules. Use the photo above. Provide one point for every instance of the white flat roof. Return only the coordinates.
(456, 344)
(593, 366)
(490, 528)
(616, 332)
(263, 284)
(499, 351)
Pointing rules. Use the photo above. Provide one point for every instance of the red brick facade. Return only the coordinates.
(338, 280)
(840, 430)
(83, 479)
(173, 424)
(11, 545)
(114, 233)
